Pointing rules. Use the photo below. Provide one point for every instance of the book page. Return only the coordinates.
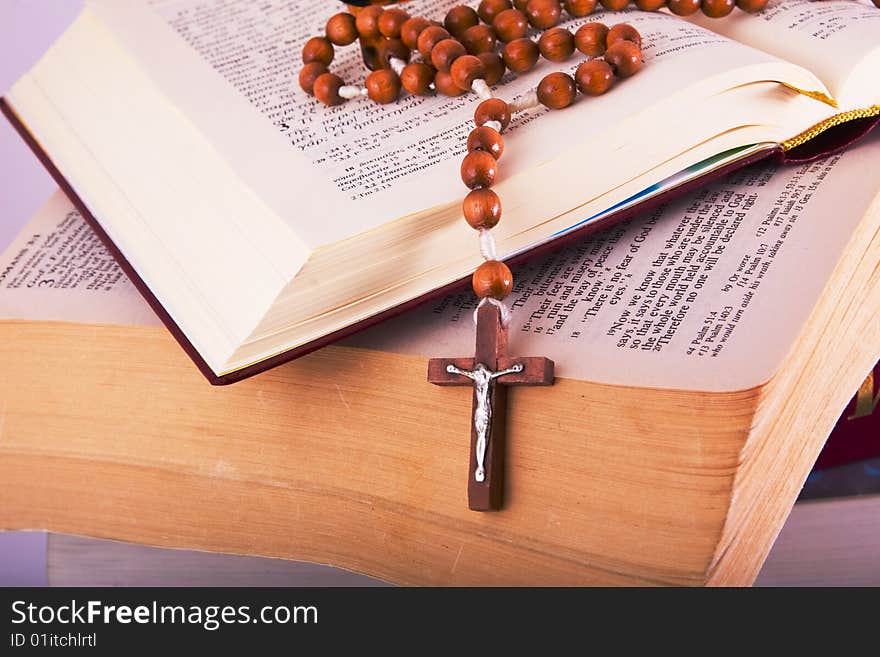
(361, 164)
(707, 293)
(831, 38)
(57, 269)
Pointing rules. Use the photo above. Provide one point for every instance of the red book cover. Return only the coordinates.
(856, 436)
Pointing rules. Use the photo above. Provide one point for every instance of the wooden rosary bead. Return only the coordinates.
(411, 29)
(318, 49)
(578, 8)
(484, 138)
(430, 37)
(590, 39)
(520, 55)
(494, 67)
(594, 77)
(309, 74)
(479, 39)
(683, 7)
(650, 5)
(489, 9)
(492, 279)
(367, 21)
(446, 52)
(481, 209)
(341, 29)
(383, 86)
(876, 3)
(460, 18)
(520, 4)
(510, 24)
(417, 77)
(326, 88)
(754, 6)
(623, 32)
(556, 90)
(556, 44)
(445, 85)
(390, 21)
(493, 109)
(392, 49)
(465, 70)
(543, 14)
(614, 5)
(478, 169)
(717, 8)
(625, 58)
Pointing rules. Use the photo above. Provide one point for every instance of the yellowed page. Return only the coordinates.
(707, 293)
(57, 269)
(353, 167)
(838, 40)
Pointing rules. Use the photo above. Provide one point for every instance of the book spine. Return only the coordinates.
(856, 436)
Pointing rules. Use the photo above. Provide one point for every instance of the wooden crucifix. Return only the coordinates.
(488, 372)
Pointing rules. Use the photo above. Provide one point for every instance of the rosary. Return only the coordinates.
(453, 58)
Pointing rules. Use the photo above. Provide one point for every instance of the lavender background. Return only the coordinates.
(27, 28)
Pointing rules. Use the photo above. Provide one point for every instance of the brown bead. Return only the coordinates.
(556, 44)
(578, 8)
(390, 21)
(446, 52)
(625, 58)
(717, 8)
(341, 29)
(492, 279)
(465, 70)
(383, 86)
(877, 3)
(392, 49)
(411, 29)
(543, 14)
(460, 18)
(590, 39)
(494, 66)
(318, 49)
(481, 209)
(478, 169)
(367, 21)
(520, 4)
(614, 5)
(326, 88)
(623, 32)
(489, 9)
(417, 77)
(520, 55)
(444, 84)
(430, 37)
(479, 38)
(556, 90)
(683, 7)
(650, 5)
(484, 138)
(594, 77)
(754, 6)
(309, 74)
(492, 109)
(510, 24)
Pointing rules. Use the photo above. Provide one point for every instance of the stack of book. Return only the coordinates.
(706, 341)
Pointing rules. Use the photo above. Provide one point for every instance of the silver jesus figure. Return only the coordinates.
(482, 377)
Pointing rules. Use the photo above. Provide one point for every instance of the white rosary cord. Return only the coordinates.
(397, 65)
(350, 91)
(525, 102)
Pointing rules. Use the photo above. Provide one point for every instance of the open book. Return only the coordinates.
(702, 363)
(261, 225)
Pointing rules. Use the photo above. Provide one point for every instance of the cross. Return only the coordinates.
(488, 372)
